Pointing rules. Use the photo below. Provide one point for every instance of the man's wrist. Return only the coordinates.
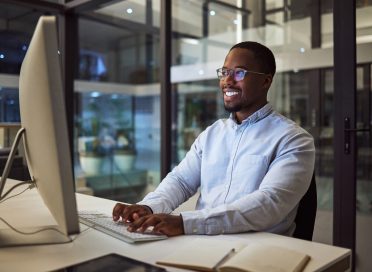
(149, 208)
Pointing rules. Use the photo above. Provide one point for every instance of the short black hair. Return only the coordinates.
(262, 54)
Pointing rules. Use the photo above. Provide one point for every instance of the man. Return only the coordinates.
(252, 168)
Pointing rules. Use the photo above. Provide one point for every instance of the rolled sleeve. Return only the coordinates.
(194, 222)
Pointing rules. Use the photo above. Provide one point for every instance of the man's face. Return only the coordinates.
(248, 95)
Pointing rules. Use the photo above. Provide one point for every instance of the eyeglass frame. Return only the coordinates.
(234, 69)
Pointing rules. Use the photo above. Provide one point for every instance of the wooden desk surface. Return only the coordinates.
(28, 210)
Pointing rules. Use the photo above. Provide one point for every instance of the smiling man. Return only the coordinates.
(252, 168)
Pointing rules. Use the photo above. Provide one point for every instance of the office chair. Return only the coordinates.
(306, 212)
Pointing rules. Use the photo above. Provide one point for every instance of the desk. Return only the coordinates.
(28, 210)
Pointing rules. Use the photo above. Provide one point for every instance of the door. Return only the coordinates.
(353, 144)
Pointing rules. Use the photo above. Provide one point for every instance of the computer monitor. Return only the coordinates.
(45, 136)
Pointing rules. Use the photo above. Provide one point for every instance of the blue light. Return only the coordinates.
(101, 68)
(24, 47)
(2, 56)
(95, 94)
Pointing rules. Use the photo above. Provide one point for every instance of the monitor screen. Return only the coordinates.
(43, 117)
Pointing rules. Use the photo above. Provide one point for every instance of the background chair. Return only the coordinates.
(306, 212)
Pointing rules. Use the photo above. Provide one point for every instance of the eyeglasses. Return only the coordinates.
(238, 73)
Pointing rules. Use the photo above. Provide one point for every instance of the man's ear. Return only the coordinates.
(267, 82)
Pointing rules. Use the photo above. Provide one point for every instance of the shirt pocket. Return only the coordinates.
(250, 171)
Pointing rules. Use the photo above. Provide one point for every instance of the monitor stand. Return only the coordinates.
(10, 160)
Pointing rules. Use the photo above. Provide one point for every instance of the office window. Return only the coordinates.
(117, 118)
(17, 24)
(363, 139)
(302, 88)
(9, 105)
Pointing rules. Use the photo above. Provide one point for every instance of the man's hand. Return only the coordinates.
(170, 225)
(129, 213)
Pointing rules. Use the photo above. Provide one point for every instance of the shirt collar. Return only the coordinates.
(255, 117)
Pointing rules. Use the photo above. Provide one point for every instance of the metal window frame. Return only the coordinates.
(344, 214)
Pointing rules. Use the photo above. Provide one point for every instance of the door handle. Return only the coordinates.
(348, 131)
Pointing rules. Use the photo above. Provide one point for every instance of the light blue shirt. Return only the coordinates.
(251, 176)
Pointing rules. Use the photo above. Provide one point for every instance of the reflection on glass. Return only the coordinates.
(199, 105)
(117, 123)
(117, 143)
(131, 10)
(9, 105)
(17, 23)
(105, 129)
(364, 152)
(324, 144)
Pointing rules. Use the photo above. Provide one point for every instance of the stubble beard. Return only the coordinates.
(232, 108)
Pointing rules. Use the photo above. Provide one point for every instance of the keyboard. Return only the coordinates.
(104, 223)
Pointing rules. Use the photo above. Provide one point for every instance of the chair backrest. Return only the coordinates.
(306, 212)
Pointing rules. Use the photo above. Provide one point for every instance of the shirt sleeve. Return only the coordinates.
(179, 185)
(267, 208)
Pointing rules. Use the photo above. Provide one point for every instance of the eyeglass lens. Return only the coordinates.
(237, 73)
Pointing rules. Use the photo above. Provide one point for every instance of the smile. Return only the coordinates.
(231, 93)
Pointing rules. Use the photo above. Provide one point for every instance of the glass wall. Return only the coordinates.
(364, 138)
(303, 88)
(117, 121)
(302, 41)
(17, 24)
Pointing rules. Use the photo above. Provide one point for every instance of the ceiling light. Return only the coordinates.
(212, 13)
(129, 10)
(235, 21)
(190, 41)
(201, 72)
(95, 94)
(302, 50)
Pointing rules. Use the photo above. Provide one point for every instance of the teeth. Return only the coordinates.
(231, 93)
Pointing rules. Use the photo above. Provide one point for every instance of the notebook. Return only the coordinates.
(226, 256)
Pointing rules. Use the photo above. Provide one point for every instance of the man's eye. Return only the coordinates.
(239, 73)
(225, 72)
